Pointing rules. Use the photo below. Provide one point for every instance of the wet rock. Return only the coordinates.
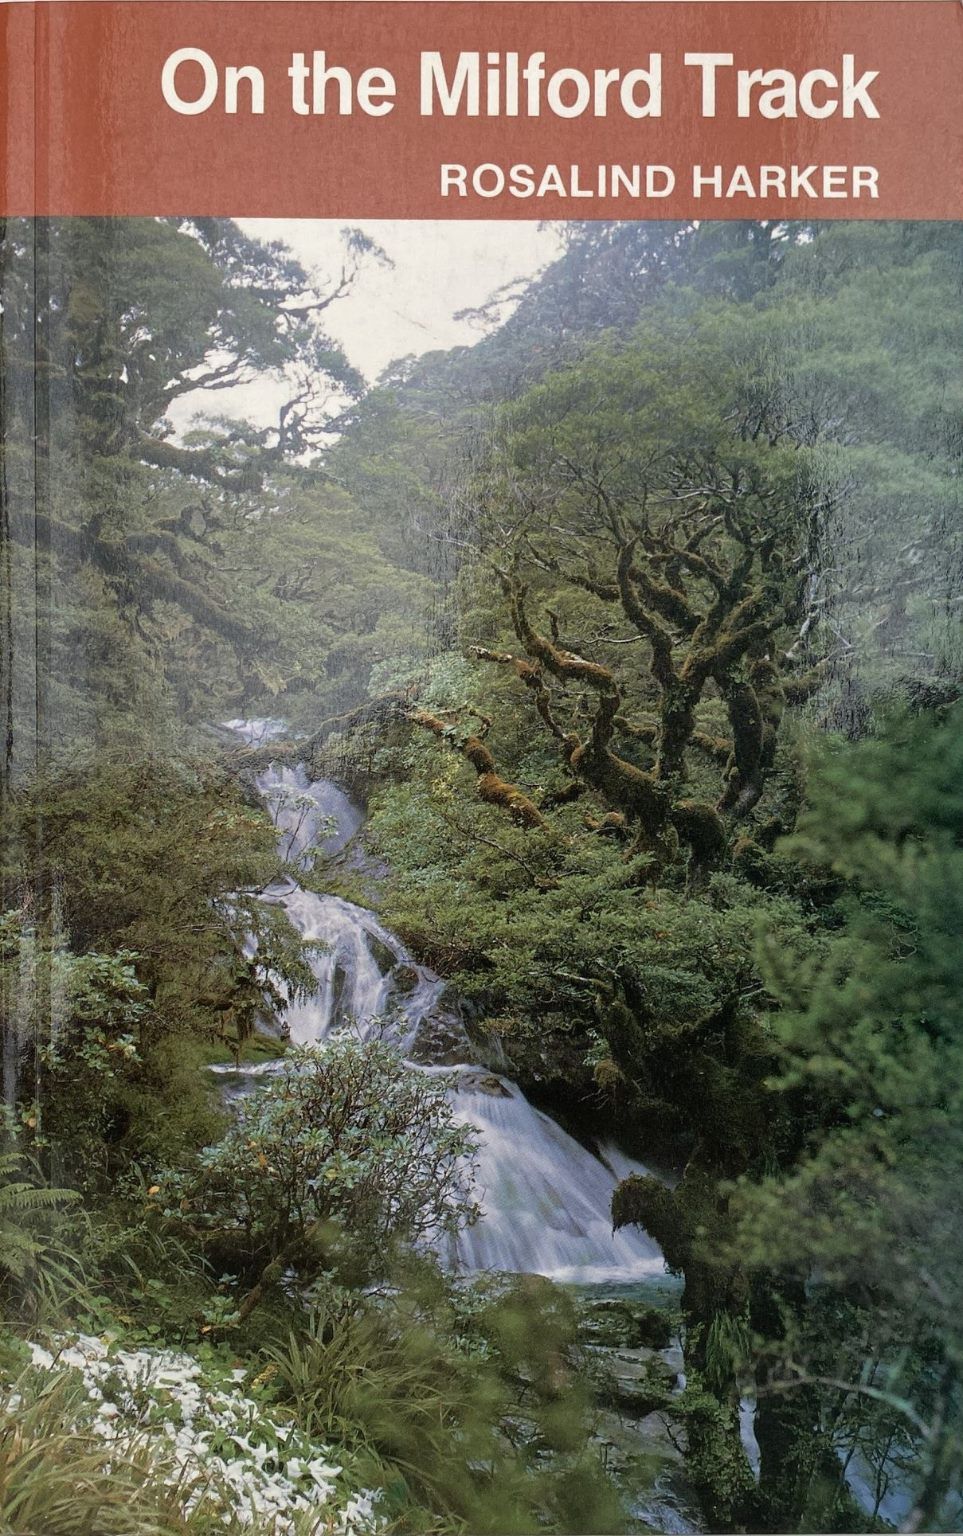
(483, 1082)
(633, 1382)
(644, 1457)
(439, 1041)
(493, 1086)
(637, 1399)
(404, 978)
(339, 983)
(617, 1323)
(385, 958)
(550, 1066)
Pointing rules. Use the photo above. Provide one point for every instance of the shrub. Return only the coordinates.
(462, 1403)
(347, 1138)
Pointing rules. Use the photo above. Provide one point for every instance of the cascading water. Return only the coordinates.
(545, 1198)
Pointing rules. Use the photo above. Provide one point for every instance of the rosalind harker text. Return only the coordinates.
(489, 180)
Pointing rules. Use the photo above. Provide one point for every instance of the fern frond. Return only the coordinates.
(21, 1197)
(18, 1253)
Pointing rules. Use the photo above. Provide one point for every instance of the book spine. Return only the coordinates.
(24, 389)
(23, 28)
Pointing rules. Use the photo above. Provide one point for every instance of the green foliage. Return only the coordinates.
(815, 365)
(463, 1400)
(155, 581)
(345, 1139)
(717, 1463)
(557, 944)
(784, 402)
(130, 951)
(326, 605)
(873, 1023)
(82, 1015)
(34, 1267)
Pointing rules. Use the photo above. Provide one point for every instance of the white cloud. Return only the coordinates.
(439, 268)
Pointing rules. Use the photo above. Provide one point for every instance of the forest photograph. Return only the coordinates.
(481, 845)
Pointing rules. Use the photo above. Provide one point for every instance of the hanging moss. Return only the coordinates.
(492, 788)
(702, 828)
(642, 1201)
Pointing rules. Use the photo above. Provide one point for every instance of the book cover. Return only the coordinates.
(482, 837)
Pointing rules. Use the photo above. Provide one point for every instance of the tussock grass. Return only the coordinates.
(58, 1479)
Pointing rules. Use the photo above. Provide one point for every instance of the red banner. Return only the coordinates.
(467, 110)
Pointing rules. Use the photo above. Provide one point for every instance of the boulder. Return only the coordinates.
(624, 1324)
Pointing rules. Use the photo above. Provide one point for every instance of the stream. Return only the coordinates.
(545, 1198)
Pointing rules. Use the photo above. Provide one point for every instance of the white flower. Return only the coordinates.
(168, 1391)
(320, 1471)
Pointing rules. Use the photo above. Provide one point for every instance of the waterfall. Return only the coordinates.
(545, 1198)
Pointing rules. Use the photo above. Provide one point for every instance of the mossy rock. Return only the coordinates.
(404, 978)
(384, 957)
(635, 1399)
(261, 1046)
(624, 1325)
(636, 1387)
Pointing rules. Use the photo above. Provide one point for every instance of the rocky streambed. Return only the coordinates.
(628, 1334)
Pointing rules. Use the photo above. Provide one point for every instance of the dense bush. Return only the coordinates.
(699, 494)
(467, 1404)
(345, 1139)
